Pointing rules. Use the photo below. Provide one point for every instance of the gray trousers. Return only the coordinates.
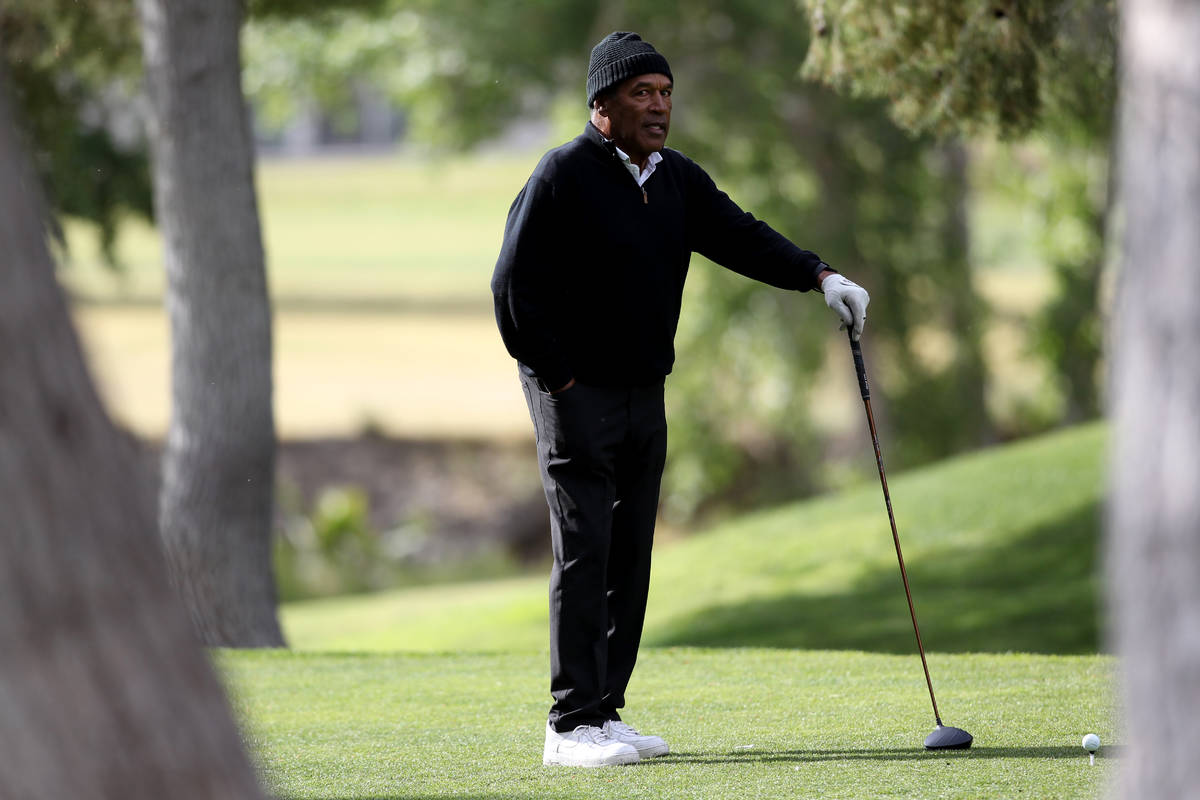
(601, 452)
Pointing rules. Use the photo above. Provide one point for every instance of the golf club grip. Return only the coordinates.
(859, 367)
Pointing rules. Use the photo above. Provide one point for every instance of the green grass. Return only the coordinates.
(760, 723)
(1001, 548)
(385, 231)
(829, 701)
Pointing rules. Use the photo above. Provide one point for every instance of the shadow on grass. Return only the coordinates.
(1035, 594)
(875, 754)
(791, 757)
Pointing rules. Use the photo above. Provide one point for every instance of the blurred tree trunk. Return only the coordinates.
(104, 692)
(215, 509)
(1154, 524)
(966, 315)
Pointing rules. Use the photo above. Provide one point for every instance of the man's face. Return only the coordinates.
(638, 112)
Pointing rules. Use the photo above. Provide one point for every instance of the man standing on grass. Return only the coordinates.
(588, 289)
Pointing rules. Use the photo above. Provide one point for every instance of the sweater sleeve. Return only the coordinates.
(524, 284)
(733, 238)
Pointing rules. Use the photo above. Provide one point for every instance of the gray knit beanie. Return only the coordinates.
(619, 56)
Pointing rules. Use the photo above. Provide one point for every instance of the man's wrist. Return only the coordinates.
(823, 272)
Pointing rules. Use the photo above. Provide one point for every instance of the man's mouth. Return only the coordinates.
(656, 127)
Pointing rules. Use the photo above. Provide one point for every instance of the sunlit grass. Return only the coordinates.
(348, 228)
(744, 723)
(415, 374)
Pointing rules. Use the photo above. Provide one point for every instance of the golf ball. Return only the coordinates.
(1091, 743)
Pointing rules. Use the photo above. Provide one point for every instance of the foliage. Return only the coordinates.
(310, 9)
(72, 67)
(1061, 189)
(293, 63)
(1009, 533)
(746, 723)
(955, 66)
(330, 548)
(1072, 193)
(457, 67)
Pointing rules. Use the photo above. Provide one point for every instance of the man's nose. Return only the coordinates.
(658, 102)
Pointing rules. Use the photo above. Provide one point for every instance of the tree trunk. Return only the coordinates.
(215, 509)
(1154, 524)
(104, 692)
(966, 313)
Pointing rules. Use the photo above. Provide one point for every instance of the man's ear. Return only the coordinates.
(600, 104)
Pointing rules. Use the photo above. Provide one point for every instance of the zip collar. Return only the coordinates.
(593, 134)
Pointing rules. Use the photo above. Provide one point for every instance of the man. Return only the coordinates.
(588, 288)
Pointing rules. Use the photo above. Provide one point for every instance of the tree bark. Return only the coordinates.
(104, 692)
(215, 508)
(1154, 521)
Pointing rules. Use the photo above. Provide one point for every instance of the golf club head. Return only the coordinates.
(946, 738)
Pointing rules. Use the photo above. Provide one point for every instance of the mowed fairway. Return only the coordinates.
(744, 723)
(780, 660)
(370, 228)
(379, 270)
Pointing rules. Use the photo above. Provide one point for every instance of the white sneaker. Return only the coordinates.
(586, 746)
(646, 746)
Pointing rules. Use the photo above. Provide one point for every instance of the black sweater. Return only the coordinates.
(590, 276)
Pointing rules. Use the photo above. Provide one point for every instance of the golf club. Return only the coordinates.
(943, 737)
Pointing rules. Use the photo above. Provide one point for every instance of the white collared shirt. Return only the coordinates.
(640, 175)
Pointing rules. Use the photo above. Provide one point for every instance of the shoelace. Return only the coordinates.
(622, 728)
(592, 733)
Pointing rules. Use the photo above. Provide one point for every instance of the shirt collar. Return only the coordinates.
(593, 133)
(639, 175)
(654, 158)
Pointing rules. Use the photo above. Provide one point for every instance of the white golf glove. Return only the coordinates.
(848, 300)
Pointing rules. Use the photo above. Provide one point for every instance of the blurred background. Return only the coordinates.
(392, 137)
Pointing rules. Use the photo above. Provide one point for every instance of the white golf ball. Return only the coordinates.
(1091, 743)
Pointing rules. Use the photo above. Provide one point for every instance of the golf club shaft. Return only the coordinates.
(860, 368)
